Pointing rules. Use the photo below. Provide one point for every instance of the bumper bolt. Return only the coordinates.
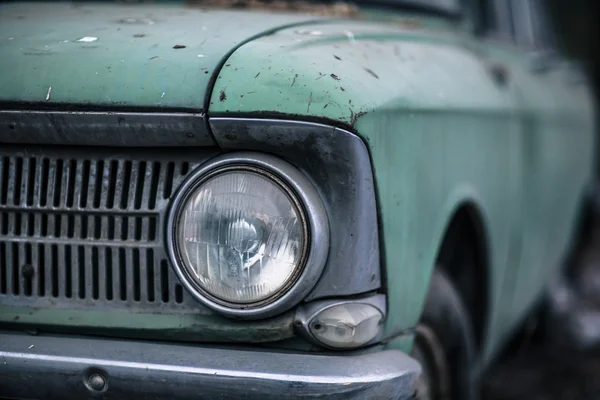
(97, 382)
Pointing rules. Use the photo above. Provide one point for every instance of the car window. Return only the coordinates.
(532, 24)
(497, 19)
(524, 22)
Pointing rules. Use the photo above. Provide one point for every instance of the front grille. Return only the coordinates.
(82, 228)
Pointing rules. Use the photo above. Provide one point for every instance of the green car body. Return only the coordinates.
(456, 124)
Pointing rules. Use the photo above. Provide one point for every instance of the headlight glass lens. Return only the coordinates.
(241, 237)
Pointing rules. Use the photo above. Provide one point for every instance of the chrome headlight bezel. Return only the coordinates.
(313, 218)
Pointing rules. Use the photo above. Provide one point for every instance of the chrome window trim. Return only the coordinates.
(318, 233)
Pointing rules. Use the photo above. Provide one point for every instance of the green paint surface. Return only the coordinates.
(130, 58)
(338, 71)
(442, 134)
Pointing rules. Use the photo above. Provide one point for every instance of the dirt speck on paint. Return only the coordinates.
(373, 74)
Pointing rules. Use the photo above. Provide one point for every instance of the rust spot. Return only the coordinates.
(256, 76)
(355, 116)
(334, 76)
(336, 57)
(206, 72)
(17, 318)
(337, 9)
(222, 96)
(179, 46)
(410, 23)
(371, 72)
(342, 89)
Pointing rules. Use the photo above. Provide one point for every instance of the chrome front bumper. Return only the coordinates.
(51, 367)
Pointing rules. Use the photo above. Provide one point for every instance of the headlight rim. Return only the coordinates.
(291, 281)
(309, 206)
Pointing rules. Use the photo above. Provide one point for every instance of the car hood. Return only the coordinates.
(120, 56)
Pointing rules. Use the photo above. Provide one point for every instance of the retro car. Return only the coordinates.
(259, 199)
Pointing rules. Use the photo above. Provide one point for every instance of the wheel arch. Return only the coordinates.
(463, 254)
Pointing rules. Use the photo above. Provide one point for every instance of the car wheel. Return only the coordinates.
(444, 345)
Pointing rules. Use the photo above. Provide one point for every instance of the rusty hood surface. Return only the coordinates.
(119, 56)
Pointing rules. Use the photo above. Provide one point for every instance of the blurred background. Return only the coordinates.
(556, 355)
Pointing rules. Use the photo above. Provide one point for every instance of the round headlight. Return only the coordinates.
(242, 236)
(242, 233)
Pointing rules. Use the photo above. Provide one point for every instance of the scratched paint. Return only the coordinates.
(441, 133)
(439, 129)
(340, 77)
(63, 46)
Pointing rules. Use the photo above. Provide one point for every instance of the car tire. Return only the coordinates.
(444, 345)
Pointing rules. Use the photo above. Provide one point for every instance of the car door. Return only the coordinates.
(550, 138)
(555, 135)
(502, 58)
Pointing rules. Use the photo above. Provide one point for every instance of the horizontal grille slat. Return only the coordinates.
(87, 231)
